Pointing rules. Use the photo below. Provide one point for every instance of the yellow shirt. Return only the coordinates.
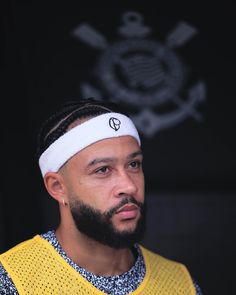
(36, 268)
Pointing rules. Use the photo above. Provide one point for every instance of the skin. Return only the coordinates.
(100, 175)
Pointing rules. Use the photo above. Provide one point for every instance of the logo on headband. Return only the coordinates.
(114, 123)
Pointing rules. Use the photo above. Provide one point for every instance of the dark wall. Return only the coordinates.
(189, 167)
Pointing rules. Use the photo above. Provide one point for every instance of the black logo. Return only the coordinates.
(114, 123)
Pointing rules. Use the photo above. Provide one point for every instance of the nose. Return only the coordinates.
(125, 185)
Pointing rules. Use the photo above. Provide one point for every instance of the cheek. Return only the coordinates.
(94, 193)
(139, 179)
(140, 184)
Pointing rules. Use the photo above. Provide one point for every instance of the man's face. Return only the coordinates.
(106, 191)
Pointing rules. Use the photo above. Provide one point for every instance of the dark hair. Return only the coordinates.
(57, 124)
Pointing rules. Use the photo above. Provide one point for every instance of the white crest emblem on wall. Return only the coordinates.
(144, 74)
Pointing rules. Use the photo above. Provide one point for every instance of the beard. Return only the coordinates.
(99, 227)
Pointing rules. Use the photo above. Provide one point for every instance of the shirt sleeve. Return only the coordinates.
(198, 289)
(7, 287)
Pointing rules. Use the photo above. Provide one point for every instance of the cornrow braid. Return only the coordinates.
(60, 113)
(59, 122)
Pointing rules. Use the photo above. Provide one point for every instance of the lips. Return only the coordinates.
(128, 211)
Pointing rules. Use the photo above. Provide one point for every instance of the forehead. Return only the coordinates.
(121, 146)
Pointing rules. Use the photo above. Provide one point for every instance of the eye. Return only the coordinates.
(135, 164)
(102, 170)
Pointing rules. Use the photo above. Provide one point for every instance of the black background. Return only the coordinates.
(189, 168)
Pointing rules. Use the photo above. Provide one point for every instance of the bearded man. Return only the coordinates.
(91, 162)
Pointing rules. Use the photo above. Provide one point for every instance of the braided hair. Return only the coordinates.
(67, 114)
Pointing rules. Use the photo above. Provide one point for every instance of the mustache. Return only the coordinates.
(128, 200)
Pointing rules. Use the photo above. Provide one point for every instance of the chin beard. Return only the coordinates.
(99, 227)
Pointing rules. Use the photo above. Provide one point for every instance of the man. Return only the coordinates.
(91, 163)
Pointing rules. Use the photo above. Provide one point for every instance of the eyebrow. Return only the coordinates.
(135, 154)
(109, 159)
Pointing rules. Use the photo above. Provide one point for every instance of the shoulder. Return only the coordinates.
(168, 273)
(21, 248)
(13, 259)
(153, 257)
(173, 269)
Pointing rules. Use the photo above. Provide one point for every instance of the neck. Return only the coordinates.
(93, 256)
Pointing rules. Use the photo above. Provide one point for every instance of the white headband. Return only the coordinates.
(101, 127)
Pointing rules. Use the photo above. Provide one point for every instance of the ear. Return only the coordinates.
(55, 186)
